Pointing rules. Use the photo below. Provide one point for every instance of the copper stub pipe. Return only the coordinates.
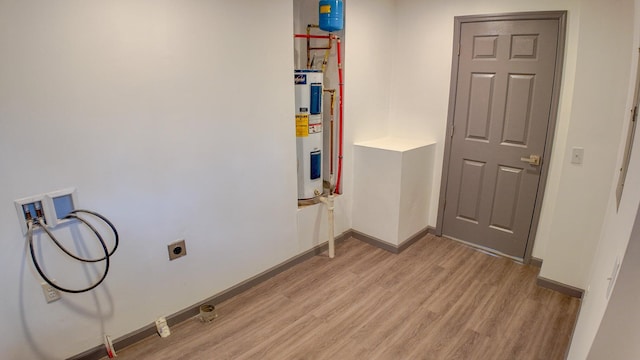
(333, 101)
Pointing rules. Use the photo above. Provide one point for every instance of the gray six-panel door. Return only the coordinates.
(502, 109)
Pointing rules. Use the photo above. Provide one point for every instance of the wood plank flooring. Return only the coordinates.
(437, 300)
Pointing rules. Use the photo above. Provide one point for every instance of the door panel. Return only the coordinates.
(502, 108)
(524, 47)
(480, 106)
(470, 186)
(505, 198)
(518, 112)
(485, 47)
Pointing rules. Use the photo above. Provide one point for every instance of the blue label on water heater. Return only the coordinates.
(300, 79)
(316, 99)
(316, 165)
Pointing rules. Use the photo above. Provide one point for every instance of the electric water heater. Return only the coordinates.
(309, 138)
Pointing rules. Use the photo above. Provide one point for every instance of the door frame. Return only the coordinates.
(561, 16)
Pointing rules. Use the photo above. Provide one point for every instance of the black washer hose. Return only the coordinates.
(107, 253)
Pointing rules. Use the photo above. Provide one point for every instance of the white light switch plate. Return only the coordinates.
(577, 155)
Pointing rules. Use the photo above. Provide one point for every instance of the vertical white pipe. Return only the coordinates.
(329, 201)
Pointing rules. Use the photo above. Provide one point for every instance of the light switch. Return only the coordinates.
(577, 155)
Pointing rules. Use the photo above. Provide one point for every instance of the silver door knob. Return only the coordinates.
(532, 160)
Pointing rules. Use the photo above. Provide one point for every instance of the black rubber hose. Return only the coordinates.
(73, 213)
(107, 253)
(69, 253)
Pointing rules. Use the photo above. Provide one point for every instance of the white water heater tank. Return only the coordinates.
(309, 139)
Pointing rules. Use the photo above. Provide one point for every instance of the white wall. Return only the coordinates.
(596, 121)
(615, 236)
(370, 25)
(157, 113)
(367, 77)
(618, 332)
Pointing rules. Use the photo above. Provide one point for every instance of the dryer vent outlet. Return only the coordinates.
(177, 249)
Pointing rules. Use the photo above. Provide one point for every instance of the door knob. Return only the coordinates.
(532, 160)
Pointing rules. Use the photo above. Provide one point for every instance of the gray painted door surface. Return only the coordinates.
(502, 110)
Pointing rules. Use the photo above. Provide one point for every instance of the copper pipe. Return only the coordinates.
(333, 101)
(321, 48)
(311, 48)
(325, 60)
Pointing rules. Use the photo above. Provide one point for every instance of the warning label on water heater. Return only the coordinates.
(302, 125)
(315, 124)
(306, 125)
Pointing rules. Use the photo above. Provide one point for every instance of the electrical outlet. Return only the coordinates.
(51, 294)
(177, 249)
(577, 155)
(162, 327)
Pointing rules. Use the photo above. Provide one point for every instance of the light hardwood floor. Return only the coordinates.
(436, 300)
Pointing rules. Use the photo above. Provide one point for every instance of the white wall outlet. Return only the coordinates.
(162, 327)
(577, 155)
(51, 294)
